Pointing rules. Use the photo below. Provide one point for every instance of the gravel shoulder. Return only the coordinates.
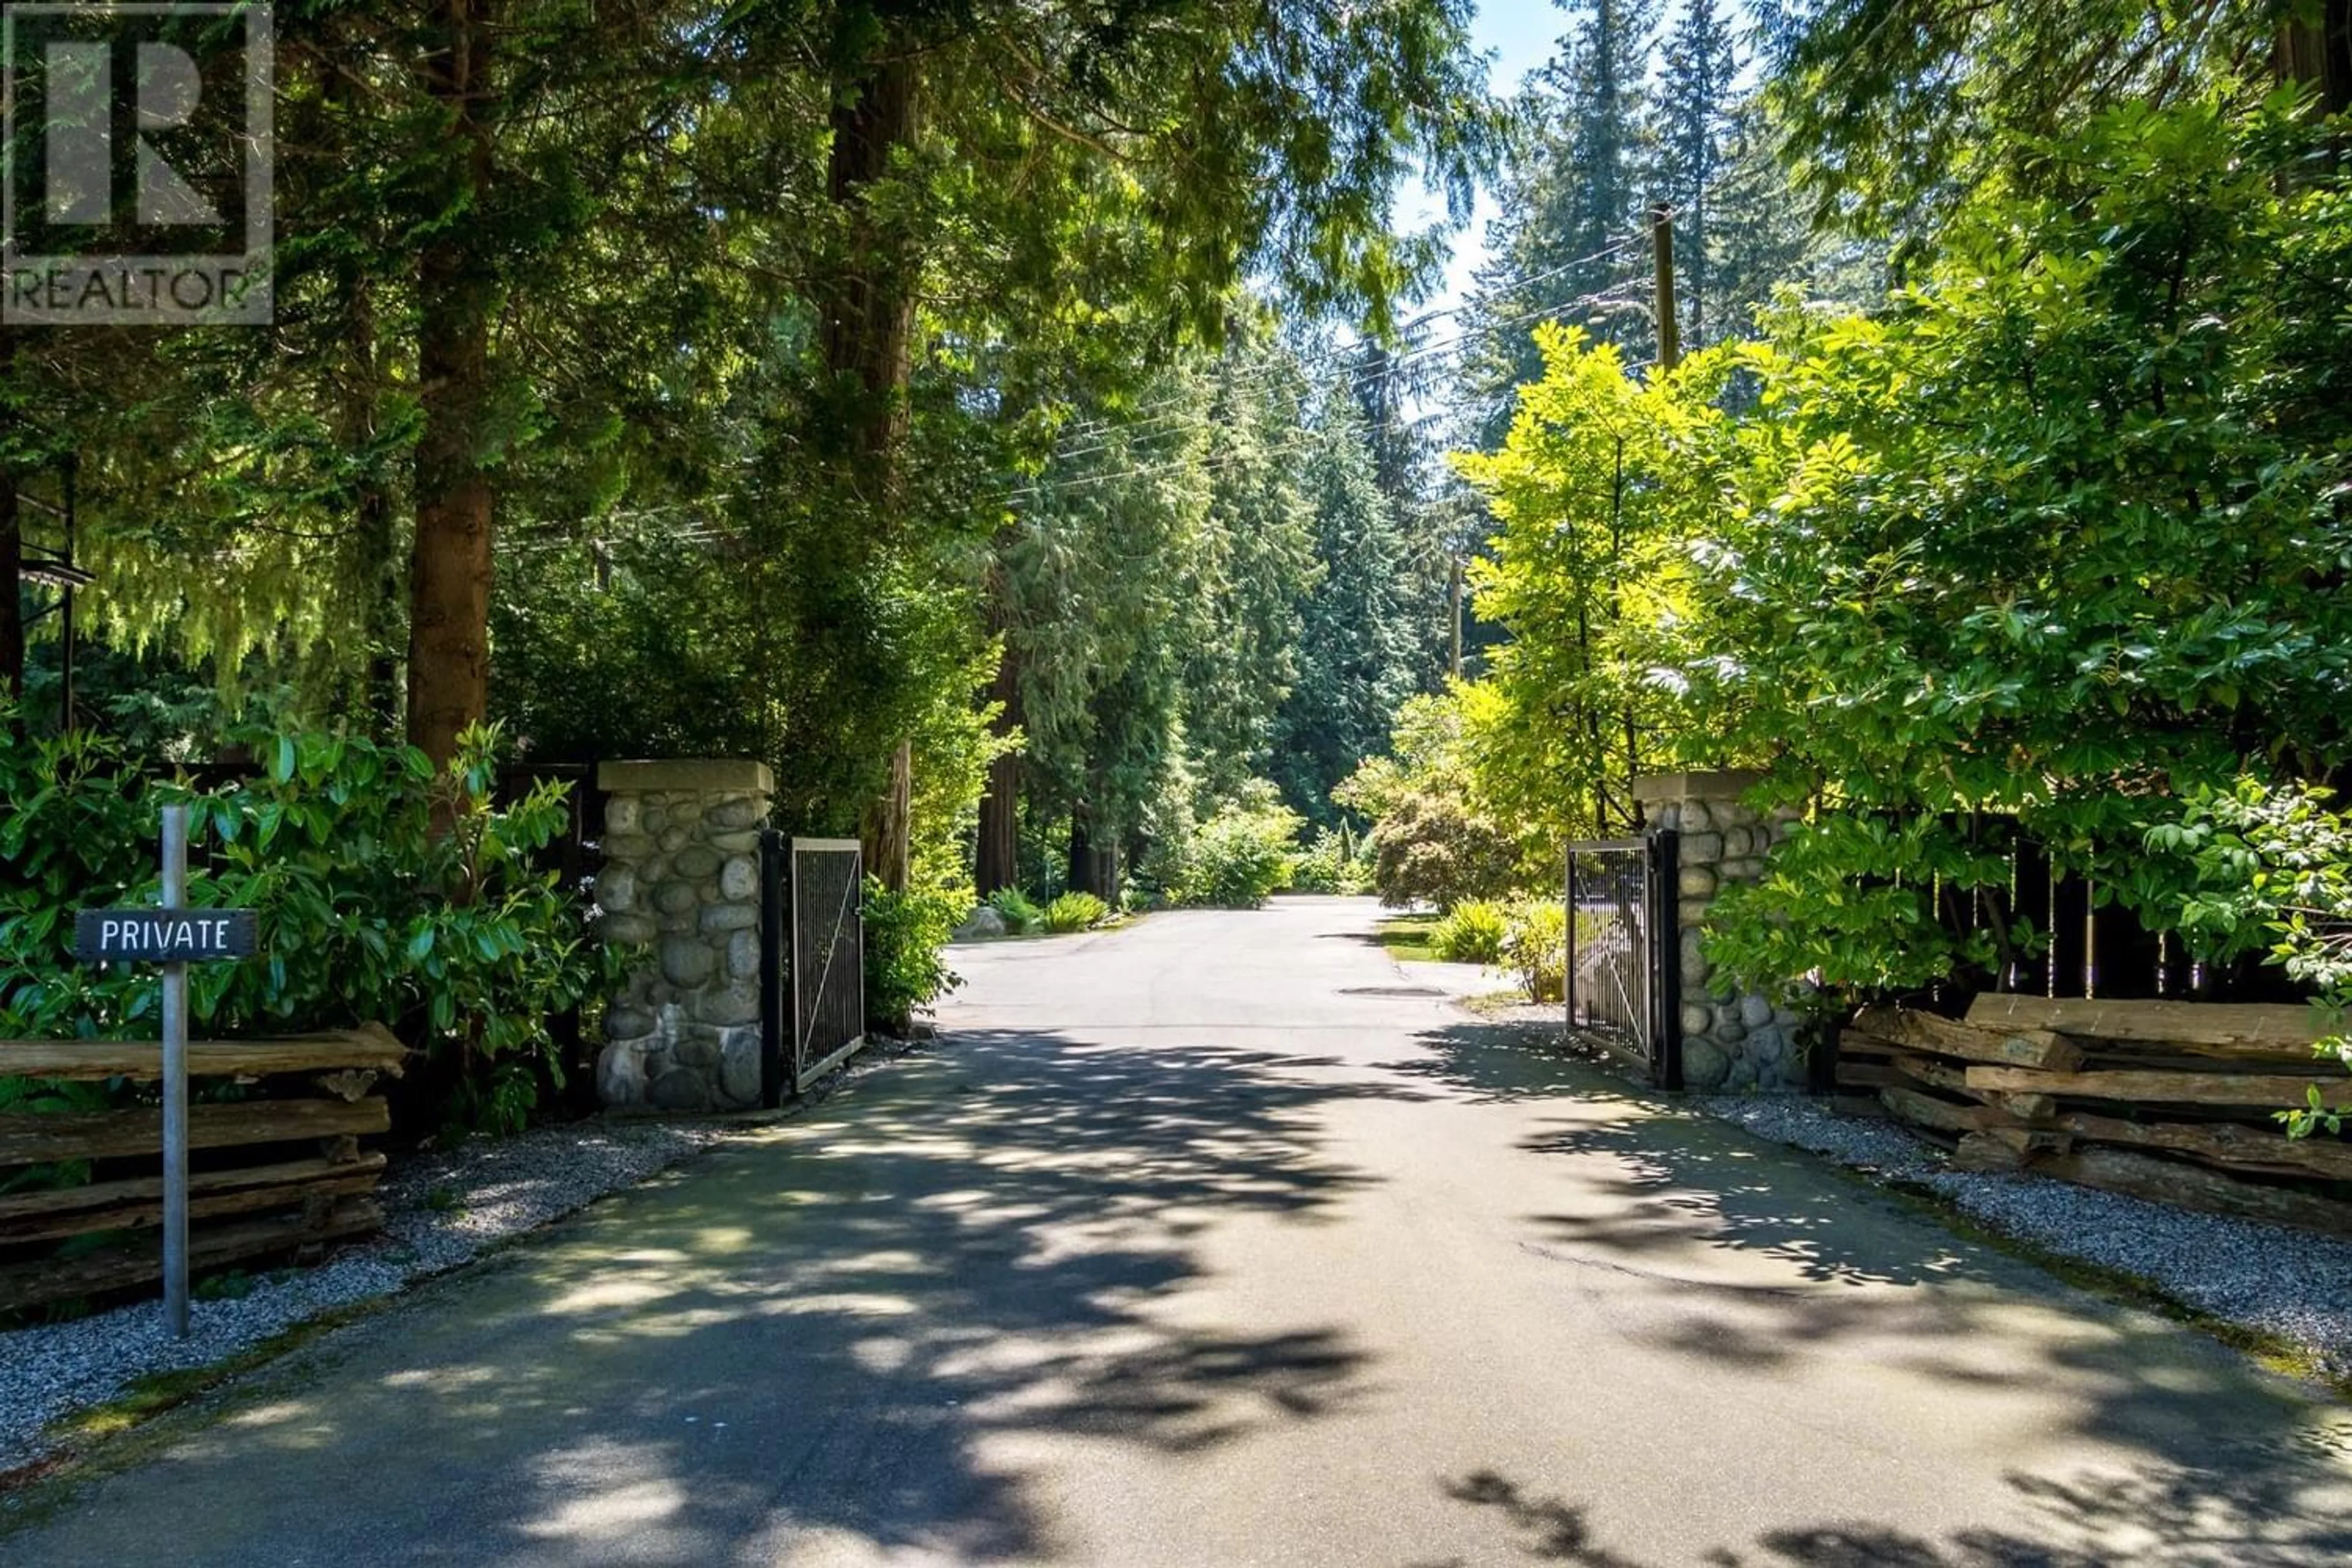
(2289, 1285)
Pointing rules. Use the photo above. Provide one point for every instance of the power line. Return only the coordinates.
(1453, 345)
(1083, 429)
(1183, 413)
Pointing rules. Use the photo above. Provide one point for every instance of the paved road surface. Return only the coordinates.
(1193, 1248)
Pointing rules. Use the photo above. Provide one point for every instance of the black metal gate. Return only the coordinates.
(812, 959)
(1624, 949)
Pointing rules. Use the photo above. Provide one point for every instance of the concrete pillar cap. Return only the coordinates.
(706, 776)
(1726, 784)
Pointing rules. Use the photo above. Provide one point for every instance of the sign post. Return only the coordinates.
(176, 1084)
(173, 936)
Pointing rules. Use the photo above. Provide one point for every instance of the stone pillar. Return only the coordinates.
(1732, 1040)
(680, 887)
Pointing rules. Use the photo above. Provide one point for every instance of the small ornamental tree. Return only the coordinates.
(2062, 536)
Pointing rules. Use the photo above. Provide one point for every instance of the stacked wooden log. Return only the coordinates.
(2169, 1100)
(268, 1177)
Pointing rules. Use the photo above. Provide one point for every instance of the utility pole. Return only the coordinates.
(1454, 595)
(1661, 247)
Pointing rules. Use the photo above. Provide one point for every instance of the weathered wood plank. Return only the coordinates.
(24, 1215)
(139, 1263)
(31, 1137)
(369, 1048)
(2031, 1140)
(2028, 1107)
(1983, 1152)
(1944, 1038)
(1942, 1115)
(2165, 1088)
(146, 1213)
(2196, 1187)
(2257, 1031)
(1930, 1071)
(2222, 1143)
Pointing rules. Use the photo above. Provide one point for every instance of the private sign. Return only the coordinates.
(164, 936)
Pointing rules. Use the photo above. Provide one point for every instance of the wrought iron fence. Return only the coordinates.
(812, 959)
(1623, 950)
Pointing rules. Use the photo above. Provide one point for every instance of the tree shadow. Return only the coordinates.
(1749, 1259)
(2217, 1516)
(819, 1333)
(1548, 1529)
(1508, 1061)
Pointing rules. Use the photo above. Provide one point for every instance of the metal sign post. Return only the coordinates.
(174, 936)
(176, 1084)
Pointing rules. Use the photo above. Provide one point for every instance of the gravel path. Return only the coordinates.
(439, 1212)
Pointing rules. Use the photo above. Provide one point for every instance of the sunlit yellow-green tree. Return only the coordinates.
(1606, 492)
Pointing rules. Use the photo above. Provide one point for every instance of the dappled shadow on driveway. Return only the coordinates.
(1671, 1176)
(1747, 1259)
(1507, 1061)
(2223, 1517)
(1759, 1256)
(814, 1335)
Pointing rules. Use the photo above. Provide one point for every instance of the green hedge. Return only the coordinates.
(385, 893)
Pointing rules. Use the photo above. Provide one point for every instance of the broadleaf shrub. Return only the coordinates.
(385, 893)
(905, 964)
(1333, 861)
(1242, 855)
(1535, 948)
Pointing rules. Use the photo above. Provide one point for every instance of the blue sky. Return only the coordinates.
(1518, 36)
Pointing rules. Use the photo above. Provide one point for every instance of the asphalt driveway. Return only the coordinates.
(1198, 1243)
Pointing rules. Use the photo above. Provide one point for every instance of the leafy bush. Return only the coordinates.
(1535, 948)
(1075, 911)
(905, 966)
(2274, 867)
(1242, 855)
(1471, 932)
(2037, 547)
(1018, 910)
(385, 893)
(1433, 848)
(1433, 840)
(1335, 862)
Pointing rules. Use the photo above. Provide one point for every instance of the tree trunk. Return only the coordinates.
(449, 564)
(12, 590)
(998, 862)
(377, 692)
(869, 323)
(378, 572)
(2316, 46)
(867, 344)
(1079, 871)
(885, 842)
